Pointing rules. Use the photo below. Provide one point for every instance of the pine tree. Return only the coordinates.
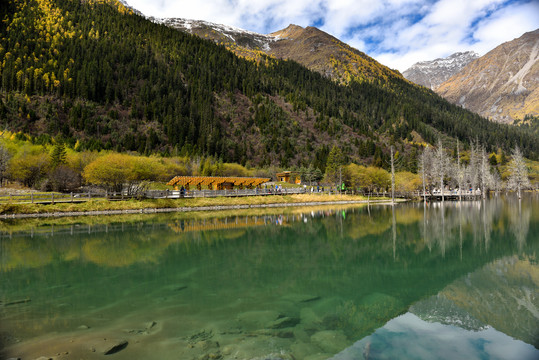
(334, 164)
(59, 154)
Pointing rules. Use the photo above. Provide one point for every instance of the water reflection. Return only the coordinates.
(409, 337)
(275, 282)
(520, 222)
(445, 224)
(476, 317)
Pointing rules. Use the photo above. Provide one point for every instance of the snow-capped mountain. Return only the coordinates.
(220, 33)
(433, 73)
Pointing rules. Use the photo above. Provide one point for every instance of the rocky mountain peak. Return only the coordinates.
(433, 73)
(291, 31)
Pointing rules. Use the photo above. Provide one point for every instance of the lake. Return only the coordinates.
(414, 281)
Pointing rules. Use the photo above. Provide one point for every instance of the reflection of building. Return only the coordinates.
(291, 177)
(216, 182)
(226, 223)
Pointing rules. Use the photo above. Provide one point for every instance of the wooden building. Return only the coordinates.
(215, 182)
(291, 177)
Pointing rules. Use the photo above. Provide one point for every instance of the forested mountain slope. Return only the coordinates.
(310, 46)
(101, 76)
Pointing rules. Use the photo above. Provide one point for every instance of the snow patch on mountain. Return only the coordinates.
(243, 37)
(432, 73)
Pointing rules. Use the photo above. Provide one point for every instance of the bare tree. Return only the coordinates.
(474, 166)
(392, 178)
(425, 168)
(440, 166)
(459, 172)
(486, 179)
(518, 178)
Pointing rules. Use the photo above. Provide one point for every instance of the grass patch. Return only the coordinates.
(133, 204)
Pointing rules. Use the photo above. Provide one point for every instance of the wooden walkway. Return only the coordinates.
(453, 196)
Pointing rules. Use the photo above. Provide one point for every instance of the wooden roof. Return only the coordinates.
(207, 180)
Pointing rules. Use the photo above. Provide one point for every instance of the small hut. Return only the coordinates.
(291, 177)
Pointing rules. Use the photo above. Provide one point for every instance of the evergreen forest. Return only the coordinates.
(101, 77)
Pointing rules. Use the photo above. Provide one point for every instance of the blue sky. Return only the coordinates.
(397, 33)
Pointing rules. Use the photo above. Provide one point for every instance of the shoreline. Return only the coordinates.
(186, 209)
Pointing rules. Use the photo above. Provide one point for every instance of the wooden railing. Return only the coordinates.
(47, 198)
(52, 198)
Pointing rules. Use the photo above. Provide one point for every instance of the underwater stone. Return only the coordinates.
(284, 322)
(109, 346)
(301, 298)
(330, 341)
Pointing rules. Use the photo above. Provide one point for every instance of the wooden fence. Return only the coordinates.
(52, 198)
(47, 198)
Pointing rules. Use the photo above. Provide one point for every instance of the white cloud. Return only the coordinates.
(397, 33)
(506, 24)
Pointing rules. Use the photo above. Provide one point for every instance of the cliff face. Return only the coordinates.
(501, 85)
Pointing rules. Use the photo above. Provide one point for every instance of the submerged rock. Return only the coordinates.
(309, 318)
(284, 322)
(109, 346)
(301, 350)
(146, 331)
(200, 336)
(330, 341)
(301, 298)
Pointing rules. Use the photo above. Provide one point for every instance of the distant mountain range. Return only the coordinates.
(433, 73)
(502, 85)
(478, 90)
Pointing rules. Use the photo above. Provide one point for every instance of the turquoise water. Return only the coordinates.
(409, 282)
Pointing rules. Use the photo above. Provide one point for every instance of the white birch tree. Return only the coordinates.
(425, 168)
(486, 180)
(518, 178)
(474, 166)
(440, 166)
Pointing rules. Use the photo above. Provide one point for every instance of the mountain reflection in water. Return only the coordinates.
(409, 337)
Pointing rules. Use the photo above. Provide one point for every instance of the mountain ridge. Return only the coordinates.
(433, 73)
(309, 46)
